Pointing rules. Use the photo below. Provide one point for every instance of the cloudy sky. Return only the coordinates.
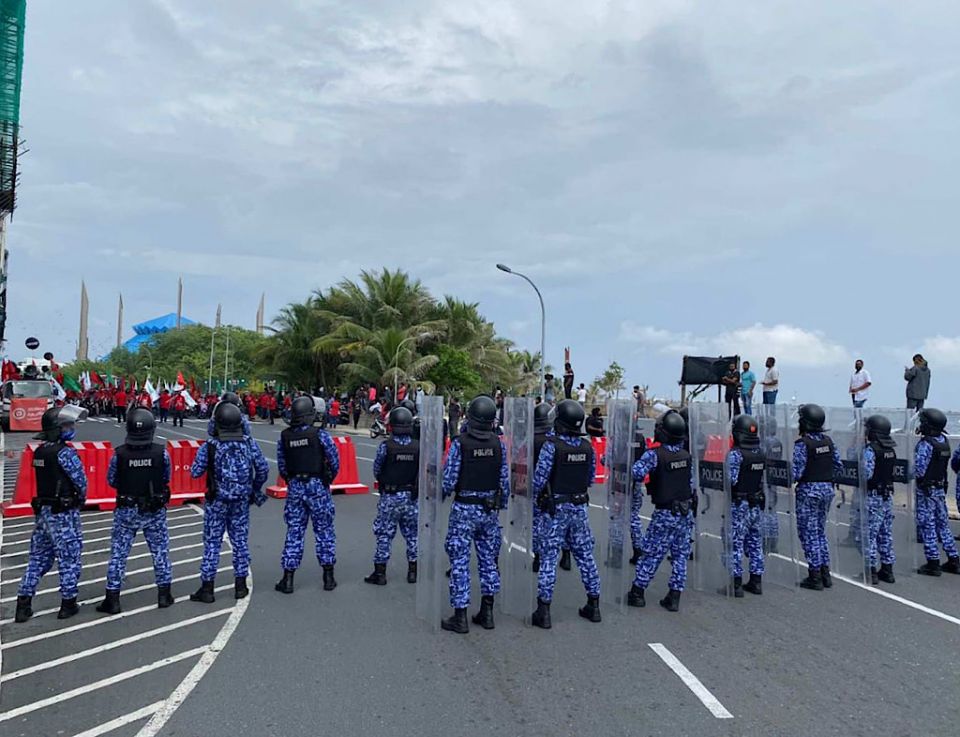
(704, 178)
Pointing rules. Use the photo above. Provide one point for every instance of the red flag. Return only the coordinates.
(95, 378)
(122, 385)
(193, 386)
(9, 371)
(180, 380)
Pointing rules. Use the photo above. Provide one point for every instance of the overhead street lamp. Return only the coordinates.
(543, 324)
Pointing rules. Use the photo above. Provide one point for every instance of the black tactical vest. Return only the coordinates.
(53, 484)
(572, 469)
(140, 472)
(936, 475)
(303, 452)
(750, 480)
(480, 467)
(819, 460)
(400, 467)
(886, 460)
(670, 480)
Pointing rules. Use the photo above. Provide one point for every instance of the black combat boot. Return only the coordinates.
(635, 597)
(329, 582)
(738, 587)
(671, 602)
(457, 623)
(813, 580)
(240, 590)
(204, 594)
(536, 563)
(636, 556)
(68, 608)
(164, 597)
(379, 575)
(886, 573)
(952, 565)
(754, 585)
(541, 617)
(484, 617)
(591, 610)
(565, 560)
(825, 577)
(110, 603)
(930, 568)
(24, 609)
(874, 577)
(285, 584)
(411, 571)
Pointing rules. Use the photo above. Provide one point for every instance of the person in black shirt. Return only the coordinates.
(594, 424)
(731, 380)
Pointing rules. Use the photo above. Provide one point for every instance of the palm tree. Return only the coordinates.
(386, 356)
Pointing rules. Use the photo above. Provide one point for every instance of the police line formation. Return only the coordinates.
(719, 491)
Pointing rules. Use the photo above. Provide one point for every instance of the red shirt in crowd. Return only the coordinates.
(164, 401)
(179, 403)
(120, 398)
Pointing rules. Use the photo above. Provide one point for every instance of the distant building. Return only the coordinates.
(145, 331)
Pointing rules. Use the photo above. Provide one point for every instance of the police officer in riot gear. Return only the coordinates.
(931, 458)
(816, 465)
(140, 472)
(673, 493)
(745, 466)
(307, 458)
(234, 399)
(879, 462)
(565, 470)
(61, 492)
(477, 473)
(396, 468)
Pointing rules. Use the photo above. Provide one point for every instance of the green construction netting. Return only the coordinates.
(12, 15)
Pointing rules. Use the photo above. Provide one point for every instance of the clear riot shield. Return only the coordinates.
(778, 524)
(74, 412)
(953, 435)
(644, 437)
(709, 442)
(432, 595)
(519, 582)
(616, 573)
(848, 518)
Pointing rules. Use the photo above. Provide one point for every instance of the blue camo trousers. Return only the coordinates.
(746, 535)
(935, 524)
(56, 537)
(880, 531)
(126, 522)
(471, 523)
(393, 511)
(813, 505)
(539, 531)
(770, 521)
(667, 532)
(636, 524)
(570, 523)
(232, 516)
(313, 503)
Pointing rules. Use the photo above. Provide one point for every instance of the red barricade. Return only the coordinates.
(599, 449)
(183, 487)
(347, 480)
(95, 458)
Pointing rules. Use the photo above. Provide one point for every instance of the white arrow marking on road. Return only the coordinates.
(691, 681)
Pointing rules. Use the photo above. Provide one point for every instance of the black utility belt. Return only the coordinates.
(306, 476)
(144, 504)
(932, 487)
(56, 505)
(478, 500)
(884, 493)
(395, 489)
(571, 498)
(752, 500)
(683, 507)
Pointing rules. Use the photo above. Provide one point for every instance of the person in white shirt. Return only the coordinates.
(860, 384)
(771, 381)
(582, 394)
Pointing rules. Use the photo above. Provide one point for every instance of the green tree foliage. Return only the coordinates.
(610, 382)
(455, 372)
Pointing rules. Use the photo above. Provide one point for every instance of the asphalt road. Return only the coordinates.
(853, 660)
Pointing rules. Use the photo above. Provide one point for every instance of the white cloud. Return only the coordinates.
(940, 350)
(791, 345)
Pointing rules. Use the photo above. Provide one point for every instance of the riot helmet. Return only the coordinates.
(481, 416)
(812, 418)
(878, 431)
(140, 427)
(302, 411)
(410, 406)
(400, 421)
(932, 422)
(569, 417)
(56, 425)
(228, 421)
(745, 432)
(231, 398)
(541, 418)
(671, 429)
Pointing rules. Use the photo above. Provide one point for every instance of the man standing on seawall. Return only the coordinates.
(860, 384)
(918, 382)
(771, 381)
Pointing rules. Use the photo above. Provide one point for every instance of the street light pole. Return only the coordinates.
(543, 324)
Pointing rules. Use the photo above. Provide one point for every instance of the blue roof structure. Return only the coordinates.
(145, 331)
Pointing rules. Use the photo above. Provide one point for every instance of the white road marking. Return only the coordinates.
(87, 530)
(28, 522)
(112, 645)
(104, 619)
(133, 716)
(97, 685)
(691, 681)
(106, 561)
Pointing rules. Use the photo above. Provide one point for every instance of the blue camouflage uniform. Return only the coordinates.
(473, 523)
(746, 525)
(240, 471)
(309, 499)
(58, 536)
(212, 426)
(636, 522)
(537, 524)
(813, 500)
(126, 522)
(666, 530)
(880, 518)
(955, 465)
(932, 513)
(568, 522)
(396, 509)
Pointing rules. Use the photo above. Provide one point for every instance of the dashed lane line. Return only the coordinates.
(113, 724)
(112, 645)
(106, 561)
(691, 681)
(102, 683)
